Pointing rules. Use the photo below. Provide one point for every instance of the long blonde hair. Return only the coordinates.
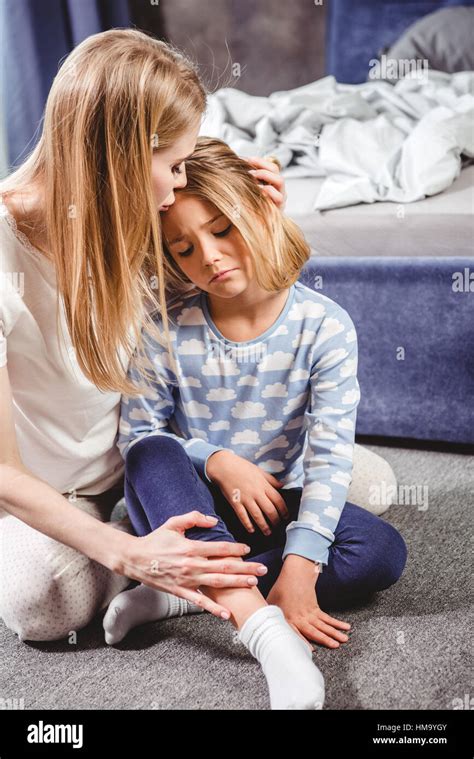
(116, 96)
(276, 245)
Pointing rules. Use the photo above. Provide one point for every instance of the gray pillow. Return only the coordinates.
(444, 38)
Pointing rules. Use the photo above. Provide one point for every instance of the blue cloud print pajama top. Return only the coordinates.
(286, 401)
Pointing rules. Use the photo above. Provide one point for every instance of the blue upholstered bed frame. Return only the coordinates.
(357, 30)
(416, 333)
(416, 342)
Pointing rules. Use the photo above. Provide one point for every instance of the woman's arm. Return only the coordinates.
(39, 505)
(44, 509)
(183, 564)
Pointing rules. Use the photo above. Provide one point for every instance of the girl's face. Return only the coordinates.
(168, 168)
(207, 247)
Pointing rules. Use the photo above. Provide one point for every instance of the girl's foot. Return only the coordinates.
(140, 605)
(294, 681)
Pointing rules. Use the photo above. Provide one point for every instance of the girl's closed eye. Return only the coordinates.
(222, 233)
(187, 252)
(178, 169)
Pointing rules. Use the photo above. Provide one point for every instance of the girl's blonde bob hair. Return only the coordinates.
(118, 96)
(276, 245)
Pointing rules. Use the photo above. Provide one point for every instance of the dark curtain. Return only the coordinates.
(34, 36)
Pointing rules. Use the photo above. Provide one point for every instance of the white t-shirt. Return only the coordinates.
(66, 428)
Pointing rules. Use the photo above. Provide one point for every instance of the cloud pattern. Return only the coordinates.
(291, 411)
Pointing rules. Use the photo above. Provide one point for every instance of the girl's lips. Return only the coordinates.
(221, 275)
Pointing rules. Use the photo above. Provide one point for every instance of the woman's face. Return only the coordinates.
(204, 244)
(168, 168)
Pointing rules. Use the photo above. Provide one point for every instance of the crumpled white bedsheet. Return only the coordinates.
(372, 141)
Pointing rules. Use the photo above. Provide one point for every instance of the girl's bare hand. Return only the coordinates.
(294, 592)
(250, 490)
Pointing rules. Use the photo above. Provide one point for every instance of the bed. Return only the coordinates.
(415, 325)
(441, 225)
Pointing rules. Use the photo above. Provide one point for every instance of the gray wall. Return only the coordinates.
(277, 45)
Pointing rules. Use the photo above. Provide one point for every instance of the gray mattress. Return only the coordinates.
(441, 225)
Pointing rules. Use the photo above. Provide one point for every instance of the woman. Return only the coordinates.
(122, 115)
(81, 254)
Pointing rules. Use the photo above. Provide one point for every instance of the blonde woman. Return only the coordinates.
(80, 252)
(251, 414)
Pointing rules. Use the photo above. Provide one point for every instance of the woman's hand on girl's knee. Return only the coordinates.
(168, 561)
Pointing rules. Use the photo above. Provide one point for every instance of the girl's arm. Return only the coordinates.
(330, 419)
(330, 423)
(150, 413)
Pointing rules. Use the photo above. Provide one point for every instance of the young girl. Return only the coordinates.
(249, 415)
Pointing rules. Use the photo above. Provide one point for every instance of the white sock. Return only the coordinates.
(294, 681)
(139, 605)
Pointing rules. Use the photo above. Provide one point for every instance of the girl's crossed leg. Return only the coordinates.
(368, 554)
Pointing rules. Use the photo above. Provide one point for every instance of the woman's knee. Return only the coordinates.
(38, 614)
(62, 602)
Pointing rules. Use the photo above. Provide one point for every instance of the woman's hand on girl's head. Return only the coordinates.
(250, 490)
(266, 170)
(166, 560)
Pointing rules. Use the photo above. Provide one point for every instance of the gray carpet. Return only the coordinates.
(410, 646)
